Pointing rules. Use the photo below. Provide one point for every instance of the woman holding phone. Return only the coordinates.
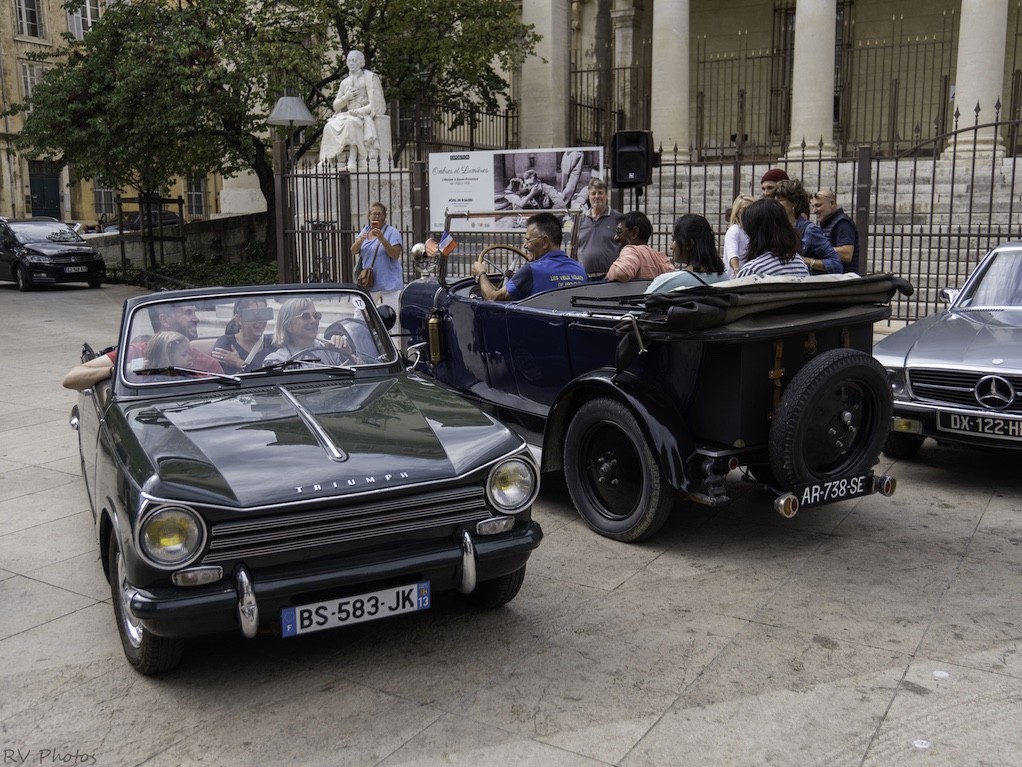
(378, 247)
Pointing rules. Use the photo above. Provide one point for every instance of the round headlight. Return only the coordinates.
(512, 485)
(171, 536)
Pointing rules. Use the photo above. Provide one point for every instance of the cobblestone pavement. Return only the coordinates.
(871, 632)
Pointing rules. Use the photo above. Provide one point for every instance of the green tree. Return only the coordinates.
(157, 91)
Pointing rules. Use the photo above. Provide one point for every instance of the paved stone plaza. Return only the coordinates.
(873, 632)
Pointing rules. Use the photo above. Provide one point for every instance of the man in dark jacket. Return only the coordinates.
(839, 228)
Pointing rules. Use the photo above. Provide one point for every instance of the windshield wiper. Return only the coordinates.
(299, 359)
(307, 363)
(177, 371)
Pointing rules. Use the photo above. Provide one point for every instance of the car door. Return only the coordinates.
(7, 247)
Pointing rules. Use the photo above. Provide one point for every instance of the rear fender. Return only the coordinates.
(662, 425)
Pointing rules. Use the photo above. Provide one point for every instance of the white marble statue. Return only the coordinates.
(353, 129)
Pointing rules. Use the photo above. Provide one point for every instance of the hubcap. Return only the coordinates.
(836, 438)
(612, 472)
(132, 626)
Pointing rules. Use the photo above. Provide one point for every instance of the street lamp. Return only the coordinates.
(289, 112)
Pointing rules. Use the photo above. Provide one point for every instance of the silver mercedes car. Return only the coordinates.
(957, 374)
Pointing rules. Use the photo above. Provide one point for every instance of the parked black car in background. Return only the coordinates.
(43, 251)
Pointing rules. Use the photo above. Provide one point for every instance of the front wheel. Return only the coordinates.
(95, 284)
(22, 279)
(146, 652)
(497, 592)
(613, 478)
(832, 420)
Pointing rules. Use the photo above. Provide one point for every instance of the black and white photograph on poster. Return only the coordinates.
(530, 180)
(518, 181)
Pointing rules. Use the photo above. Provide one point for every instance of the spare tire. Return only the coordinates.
(832, 420)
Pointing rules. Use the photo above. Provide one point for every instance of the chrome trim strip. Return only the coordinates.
(248, 608)
(335, 453)
(331, 500)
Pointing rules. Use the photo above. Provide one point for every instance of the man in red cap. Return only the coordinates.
(770, 179)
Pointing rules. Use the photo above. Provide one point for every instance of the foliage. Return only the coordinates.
(156, 91)
(452, 53)
(201, 273)
(160, 90)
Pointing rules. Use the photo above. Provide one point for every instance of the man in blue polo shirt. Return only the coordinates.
(549, 267)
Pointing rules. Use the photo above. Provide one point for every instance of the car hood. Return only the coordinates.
(290, 443)
(50, 248)
(972, 340)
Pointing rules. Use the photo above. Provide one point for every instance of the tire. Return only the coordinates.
(899, 445)
(95, 284)
(497, 592)
(832, 420)
(612, 476)
(147, 653)
(22, 280)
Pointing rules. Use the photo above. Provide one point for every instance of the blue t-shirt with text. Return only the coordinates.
(553, 270)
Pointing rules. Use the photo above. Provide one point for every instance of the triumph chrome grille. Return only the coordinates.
(328, 527)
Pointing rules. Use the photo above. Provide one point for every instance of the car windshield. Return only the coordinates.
(998, 285)
(41, 231)
(261, 333)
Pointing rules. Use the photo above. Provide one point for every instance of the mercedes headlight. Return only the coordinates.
(512, 486)
(171, 536)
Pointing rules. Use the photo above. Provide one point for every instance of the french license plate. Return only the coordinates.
(357, 609)
(984, 425)
(834, 490)
(75, 269)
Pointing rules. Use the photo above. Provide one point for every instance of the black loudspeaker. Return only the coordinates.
(633, 158)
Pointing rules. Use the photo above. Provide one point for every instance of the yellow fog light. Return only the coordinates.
(171, 536)
(906, 425)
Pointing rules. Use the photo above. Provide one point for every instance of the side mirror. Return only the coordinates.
(388, 315)
(948, 295)
(415, 352)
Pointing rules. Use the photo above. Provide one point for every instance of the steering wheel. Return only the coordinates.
(508, 271)
(349, 356)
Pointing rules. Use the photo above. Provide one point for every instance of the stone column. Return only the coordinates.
(669, 117)
(546, 75)
(812, 81)
(625, 23)
(979, 78)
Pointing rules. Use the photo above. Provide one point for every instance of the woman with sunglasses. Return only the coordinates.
(298, 330)
(244, 344)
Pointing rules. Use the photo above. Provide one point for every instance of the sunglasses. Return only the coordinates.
(310, 316)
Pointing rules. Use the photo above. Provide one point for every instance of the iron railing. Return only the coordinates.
(926, 211)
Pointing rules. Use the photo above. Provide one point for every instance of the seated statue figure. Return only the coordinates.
(359, 100)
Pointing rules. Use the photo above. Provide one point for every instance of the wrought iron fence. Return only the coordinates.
(927, 211)
(423, 127)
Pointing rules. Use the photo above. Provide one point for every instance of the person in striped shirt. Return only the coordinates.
(773, 242)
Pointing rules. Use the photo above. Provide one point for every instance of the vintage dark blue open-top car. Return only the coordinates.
(643, 401)
(310, 483)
